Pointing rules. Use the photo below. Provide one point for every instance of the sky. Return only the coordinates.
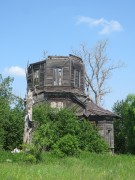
(30, 27)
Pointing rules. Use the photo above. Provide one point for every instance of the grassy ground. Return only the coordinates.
(88, 166)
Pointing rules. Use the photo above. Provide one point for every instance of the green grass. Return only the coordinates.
(88, 166)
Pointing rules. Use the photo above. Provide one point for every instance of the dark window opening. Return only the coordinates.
(76, 78)
(36, 77)
(58, 76)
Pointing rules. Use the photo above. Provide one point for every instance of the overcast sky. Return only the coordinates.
(30, 27)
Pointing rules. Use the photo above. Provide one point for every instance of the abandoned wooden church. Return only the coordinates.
(59, 80)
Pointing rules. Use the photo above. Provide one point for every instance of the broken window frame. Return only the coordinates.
(36, 77)
(76, 78)
(58, 76)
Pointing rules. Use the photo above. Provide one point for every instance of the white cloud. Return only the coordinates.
(107, 26)
(15, 70)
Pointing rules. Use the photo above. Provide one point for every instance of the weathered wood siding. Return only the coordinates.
(30, 75)
(66, 100)
(46, 74)
(42, 75)
(58, 62)
(77, 65)
(107, 132)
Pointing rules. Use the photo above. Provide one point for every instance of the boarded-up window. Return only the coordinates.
(36, 77)
(57, 105)
(76, 78)
(58, 76)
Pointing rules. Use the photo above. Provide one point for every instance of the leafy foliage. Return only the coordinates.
(13, 128)
(32, 153)
(11, 116)
(125, 128)
(58, 131)
(62, 132)
(89, 138)
(67, 145)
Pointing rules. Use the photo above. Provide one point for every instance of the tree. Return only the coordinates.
(120, 135)
(6, 88)
(11, 116)
(98, 69)
(124, 129)
(5, 99)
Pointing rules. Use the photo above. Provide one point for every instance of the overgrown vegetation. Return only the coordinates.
(63, 133)
(85, 166)
(11, 116)
(58, 131)
(124, 128)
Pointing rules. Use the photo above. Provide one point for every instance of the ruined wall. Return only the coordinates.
(106, 131)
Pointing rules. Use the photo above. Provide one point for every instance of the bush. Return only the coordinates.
(32, 153)
(89, 138)
(62, 132)
(67, 146)
(30, 158)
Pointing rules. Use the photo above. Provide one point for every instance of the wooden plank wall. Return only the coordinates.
(52, 63)
(107, 132)
(80, 67)
(46, 73)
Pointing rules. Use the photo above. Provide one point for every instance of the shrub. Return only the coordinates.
(62, 132)
(67, 146)
(30, 158)
(89, 138)
(32, 153)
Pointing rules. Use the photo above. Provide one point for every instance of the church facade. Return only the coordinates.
(59, 80)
